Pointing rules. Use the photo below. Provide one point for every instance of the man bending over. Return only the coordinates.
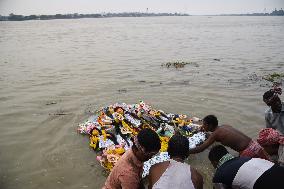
(243, 172)
(230, 137)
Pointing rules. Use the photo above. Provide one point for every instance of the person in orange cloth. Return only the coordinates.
(127, 173)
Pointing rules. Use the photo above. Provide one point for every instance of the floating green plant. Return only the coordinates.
(274, 77)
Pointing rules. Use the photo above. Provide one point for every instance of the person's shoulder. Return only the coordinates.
(158, 166)
(123, 164)
(233, 164)
(224, 128)
(156, 171)
(218, 132)
(218, 176)
(223, 171)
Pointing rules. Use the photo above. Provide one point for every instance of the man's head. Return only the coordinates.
(210, 123)
(272, 99)
(146, 144)
(178, 146)
(216, 153)
(270, 139)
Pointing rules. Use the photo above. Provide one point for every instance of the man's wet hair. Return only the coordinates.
(211, 120)
(217, 152)
(149, 139)
(268, 94)
(178, 146)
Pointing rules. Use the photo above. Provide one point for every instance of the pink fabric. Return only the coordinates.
(126, 174)
(269, 136)
(254, 150)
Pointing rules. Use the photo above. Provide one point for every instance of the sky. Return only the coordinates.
(193, 7)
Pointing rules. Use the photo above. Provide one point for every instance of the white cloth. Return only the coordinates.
(249, 172)
(161, 157)
(177, 175)
(105, 143)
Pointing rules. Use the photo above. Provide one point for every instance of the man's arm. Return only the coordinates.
(206, 144)
(150, 178)
(196, 178)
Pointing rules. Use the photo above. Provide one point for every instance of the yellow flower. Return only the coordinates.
(128, 128)
(164, 143)
(105, 135)
(94, 141)
(107, 165)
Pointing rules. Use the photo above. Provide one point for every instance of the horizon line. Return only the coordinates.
(127, 12)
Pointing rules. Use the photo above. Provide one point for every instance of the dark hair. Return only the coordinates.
(178, 146)
(149, 139)
(211, 120)
(217, 152)
(268, 94)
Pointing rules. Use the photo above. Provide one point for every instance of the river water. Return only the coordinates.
(54, 74)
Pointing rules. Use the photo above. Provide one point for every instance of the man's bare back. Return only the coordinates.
(229, 136)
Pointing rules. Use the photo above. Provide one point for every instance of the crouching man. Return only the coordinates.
(244, 172)
(127, 173)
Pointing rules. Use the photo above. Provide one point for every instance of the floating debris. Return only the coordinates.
(59, 113)
(111, 131)
(264, 80)
(122, 90)
(178, 64)
(217, 59)
(254, 77)
(51, 103)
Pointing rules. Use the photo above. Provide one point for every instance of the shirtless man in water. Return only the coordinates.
(230, 137)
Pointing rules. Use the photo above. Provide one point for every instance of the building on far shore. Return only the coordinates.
(277, 12)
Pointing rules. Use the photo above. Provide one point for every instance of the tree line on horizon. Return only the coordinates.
(14, 17)
(273, 13)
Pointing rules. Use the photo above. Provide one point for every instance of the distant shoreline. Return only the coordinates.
(14, 17)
